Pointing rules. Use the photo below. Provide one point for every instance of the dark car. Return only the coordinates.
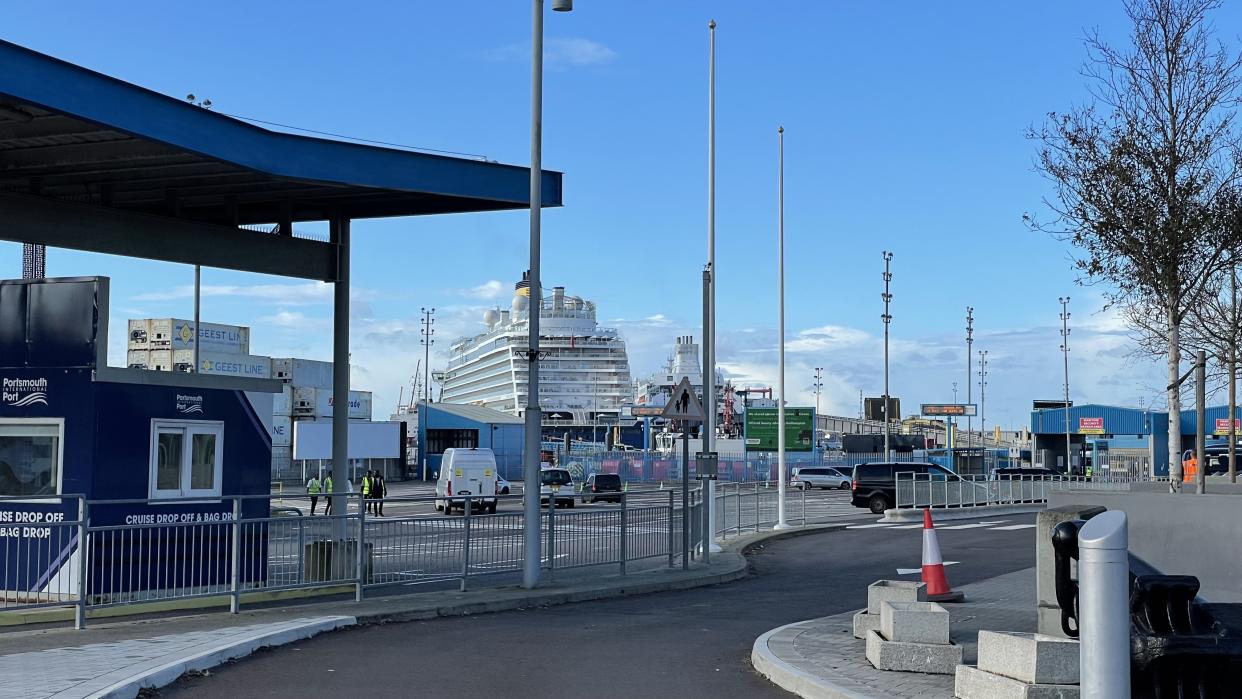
(875, 487)
(602, 487)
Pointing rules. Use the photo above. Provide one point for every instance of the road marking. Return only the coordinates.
(965, 526)
(879, 525)
(912, 571)
(910, 526)
(1012, 527)
(999, 521)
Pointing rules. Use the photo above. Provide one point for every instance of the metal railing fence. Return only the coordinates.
(138, 551)
(919, 490)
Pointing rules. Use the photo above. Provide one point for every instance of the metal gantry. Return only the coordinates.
(888, 319)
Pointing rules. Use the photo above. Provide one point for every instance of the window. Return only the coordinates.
(555, 476)
(439, 440)
(187, 458)
(30, 456)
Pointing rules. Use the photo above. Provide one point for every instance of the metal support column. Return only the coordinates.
(1200, 422)
(340, 374)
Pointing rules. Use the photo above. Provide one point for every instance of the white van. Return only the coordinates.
(467, 472)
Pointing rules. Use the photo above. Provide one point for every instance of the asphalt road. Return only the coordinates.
(693, 643)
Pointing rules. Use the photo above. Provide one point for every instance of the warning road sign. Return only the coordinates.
(684, 404)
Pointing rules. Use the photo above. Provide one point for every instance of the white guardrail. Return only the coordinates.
(919, 490)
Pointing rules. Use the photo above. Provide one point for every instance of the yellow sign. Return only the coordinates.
(487, 473)
(457, 472)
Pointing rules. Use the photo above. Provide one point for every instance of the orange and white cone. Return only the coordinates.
(933, 566)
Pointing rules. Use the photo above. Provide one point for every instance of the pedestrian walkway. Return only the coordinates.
(821, 658)
(122, 668)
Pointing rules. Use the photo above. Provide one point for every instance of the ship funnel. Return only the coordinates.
(558, 298)
(504, 317)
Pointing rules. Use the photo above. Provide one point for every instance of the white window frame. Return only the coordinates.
(59, 424)
(188, 429)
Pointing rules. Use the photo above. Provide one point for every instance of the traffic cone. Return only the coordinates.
(933, 565)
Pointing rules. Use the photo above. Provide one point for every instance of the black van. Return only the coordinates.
(874, 485)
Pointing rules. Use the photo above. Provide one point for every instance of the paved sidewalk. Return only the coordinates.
(123, 668)
(118, 658)
(821, 659)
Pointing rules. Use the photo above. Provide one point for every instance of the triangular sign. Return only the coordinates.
(684, 404)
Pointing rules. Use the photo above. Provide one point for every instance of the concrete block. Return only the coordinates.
(864, 622)
(1029, 657)
(931, 658)
(882, 591)
(1045, 562)
(972, 683)
(914, 622)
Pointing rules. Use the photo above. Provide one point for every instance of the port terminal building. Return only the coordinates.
(1098, 432)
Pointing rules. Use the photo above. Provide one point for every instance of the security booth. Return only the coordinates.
(156, 457)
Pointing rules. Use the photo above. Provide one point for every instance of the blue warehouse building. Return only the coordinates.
(1094, 429)
(443, 426)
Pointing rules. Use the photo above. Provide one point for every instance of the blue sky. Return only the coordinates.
(904, 131)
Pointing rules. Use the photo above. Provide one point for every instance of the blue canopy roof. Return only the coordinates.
(70, 133)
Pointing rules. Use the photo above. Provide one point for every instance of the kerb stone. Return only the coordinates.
(1029, 657)
(970, 682)
(931, 658)
(914, 622)
(882, 591)
(864, 622)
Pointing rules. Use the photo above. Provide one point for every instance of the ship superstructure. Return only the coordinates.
(584, 371)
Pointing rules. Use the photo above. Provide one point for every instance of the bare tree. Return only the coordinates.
(1220, 323)
(1140, 176)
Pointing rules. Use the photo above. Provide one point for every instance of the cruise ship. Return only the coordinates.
(584, 373)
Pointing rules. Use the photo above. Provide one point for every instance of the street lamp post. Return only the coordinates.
(780, 285)
(818, 385)
(533, 419)
(1065, 333)
(983, 416)
(427, 341)
(970, 341)
(709, 301)
(887, 318)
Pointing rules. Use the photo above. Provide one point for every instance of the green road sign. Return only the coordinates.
(761, 432)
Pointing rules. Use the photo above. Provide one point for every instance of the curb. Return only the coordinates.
(790, 678)
(167, 673)
(944, 514)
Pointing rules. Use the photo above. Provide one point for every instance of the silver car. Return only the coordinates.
(820, 477)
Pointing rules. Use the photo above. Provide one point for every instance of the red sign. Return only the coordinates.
(1090, 425)
(1222, 426)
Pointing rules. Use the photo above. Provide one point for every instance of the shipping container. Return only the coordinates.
(161, 360)
(318, 403)
(282, 403)
(139, 338)
(178, 334)
(282, 431)
(137, 359)
(248, 366)
(212, 337)
(309, 373)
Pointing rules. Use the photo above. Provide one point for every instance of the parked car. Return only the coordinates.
(502, 485)
(602, 487)
(557, 485)
(466, 472)
(874, 484)
(824, 477)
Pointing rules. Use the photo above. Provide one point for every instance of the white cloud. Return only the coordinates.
(292, 319)
(488, 290)
(559, 52)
